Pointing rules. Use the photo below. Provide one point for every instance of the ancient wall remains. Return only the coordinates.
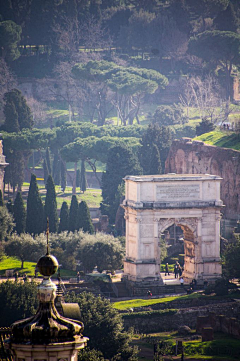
(187, 156)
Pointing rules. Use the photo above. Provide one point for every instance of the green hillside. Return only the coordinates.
(221, 139)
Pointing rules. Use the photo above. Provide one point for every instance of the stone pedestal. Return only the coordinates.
(154, 203)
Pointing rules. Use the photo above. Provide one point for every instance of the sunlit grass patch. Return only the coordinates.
(225, 139)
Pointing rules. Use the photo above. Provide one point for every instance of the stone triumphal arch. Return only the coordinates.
(154, 203)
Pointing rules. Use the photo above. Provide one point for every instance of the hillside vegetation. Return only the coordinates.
(221, 139)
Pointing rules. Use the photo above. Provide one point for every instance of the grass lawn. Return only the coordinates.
(92, 196)
(12, 263)
(226, 139)
(124, 305)
(223, 347)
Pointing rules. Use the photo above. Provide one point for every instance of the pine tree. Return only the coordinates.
(1, 199)
(84, 221)
(19, 214)
(155, 161)
(63, 176)
(64, 218)
(83, 179)
(48, 161)
(17, 117)
(50, 208)
(72, 225)
(35, 212)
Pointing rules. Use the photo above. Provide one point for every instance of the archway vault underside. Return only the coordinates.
(146, 221)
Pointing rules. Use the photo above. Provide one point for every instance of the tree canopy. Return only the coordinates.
(221, 48)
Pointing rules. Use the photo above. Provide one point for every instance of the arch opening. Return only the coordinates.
(180, 239)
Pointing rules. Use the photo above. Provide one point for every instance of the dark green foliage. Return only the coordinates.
(19, 214)
(84, 221)
(15, 102)
(11, 117)
(162, 138)
(63, 176)
(35, 212)
(100, 319)
(6, 223)
(14, 172)
(120, 162)
(10, 206)
(45, 171)
(220, 48)
(78, 177)
(17, 301)
(169, 115)
(72, 226)
(205, 126)
(24, 247)
(1, 199)
(231, 258)
(90, 355)
(64, 214)
(155, 161)
(83, 179)
(221, 287)
(56, 169)
(48, 161)
(10, 35)
(227, 20)
(17, 117)
(50, 208)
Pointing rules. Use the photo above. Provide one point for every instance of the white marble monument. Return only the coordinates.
(154, 203)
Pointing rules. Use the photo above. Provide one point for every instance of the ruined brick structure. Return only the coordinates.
(187, 156)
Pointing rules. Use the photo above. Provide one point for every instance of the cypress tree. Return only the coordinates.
(84, 219)
(45, 172)
(78, 178)
(1, 199)
(19, 214)
(64, 218)
(120, 162)
(72, 225)
(83, 179)
(63, 176)
(48, 161)
(56, 169)
(155, 161)
(24, 116)
(51, 205)
(35, 211)
(11, 118)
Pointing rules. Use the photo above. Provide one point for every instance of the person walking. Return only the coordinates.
(167, 269)
(176, 270)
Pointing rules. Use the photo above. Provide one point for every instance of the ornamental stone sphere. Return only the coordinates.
(47, 265)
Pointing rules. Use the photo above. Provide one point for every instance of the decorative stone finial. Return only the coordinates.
(47, 326)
